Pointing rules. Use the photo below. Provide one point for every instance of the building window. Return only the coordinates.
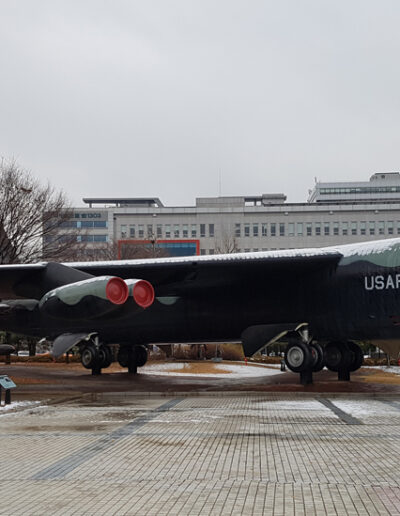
(282, 229)
(86, 238)
(100, 238)
(202, 230)
(132, 231)
(318, 229)
(354, 228)
(69, 224)
(299, 229)
(291, 229)
(345, 228)
(372, 227)
(309, 228)
(202, 251)
(185, 231)
(167, 230)
(86, 224)
(264, 231)
(273, 229)
(237, 230)
(211, 251)
(159, 230)
(247, 230)
(176, 231)
(381, 227)
(327, 229)
(390, 225)
(398, 227)
(123, 231)
(141, 230)
(150, 233)
(363, 228)
(211, 230)
(194, 231)
(336, 228)
(255, 249)
(255, 230)
(100, 224)
(247, 250)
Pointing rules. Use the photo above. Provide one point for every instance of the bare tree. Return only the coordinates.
(111, 251)
(30, 214)
(227, 244)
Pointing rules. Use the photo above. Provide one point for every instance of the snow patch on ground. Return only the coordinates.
(365, 408)
(236, 371)
(17, 405)
(386, 369)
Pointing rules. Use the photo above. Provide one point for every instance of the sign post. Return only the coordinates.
(7, 384)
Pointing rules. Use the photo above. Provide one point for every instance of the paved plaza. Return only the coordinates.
(250, 454)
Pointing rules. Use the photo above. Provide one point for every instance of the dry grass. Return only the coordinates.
(20, 380)
(378, 376)
(200, 368)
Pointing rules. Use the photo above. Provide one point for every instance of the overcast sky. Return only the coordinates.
(162, 98)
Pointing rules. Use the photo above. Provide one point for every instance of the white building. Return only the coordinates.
(336, 213)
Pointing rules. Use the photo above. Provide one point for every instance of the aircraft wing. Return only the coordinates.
(216, 270)
(33, 281)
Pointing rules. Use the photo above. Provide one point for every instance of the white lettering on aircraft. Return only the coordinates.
(380, 282)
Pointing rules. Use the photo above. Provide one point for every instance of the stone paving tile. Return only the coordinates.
(197, 498)
(253, 455)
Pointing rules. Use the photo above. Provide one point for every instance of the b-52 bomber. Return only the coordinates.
(320, 301)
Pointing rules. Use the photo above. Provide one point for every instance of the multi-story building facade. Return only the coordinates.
(336, 213)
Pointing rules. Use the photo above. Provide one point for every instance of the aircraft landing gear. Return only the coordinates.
(303, 356)
(132, 357)
(306, 357)
(95, 356)
(299, 359)
(343, 358)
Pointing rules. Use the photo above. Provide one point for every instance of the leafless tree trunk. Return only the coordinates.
(30, 214)
(227, 244)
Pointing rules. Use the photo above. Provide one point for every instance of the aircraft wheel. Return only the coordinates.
(298, 356)
(89, 356)
(141, 355)
(338, 356)
(357, 356)
(318, 359)
(124, 355)
(105, 356)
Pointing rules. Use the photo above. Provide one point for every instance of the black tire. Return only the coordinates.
(141, 355)
(318, 358)
(89, 356)
(105, 356)
(124, 356)
(298, 356)
(338, 356)
(357, 356)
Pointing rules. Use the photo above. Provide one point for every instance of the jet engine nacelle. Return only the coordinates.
(96, 297)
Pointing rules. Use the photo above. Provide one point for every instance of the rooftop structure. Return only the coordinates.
(380, 187)
(255, 200)
(121, 202)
